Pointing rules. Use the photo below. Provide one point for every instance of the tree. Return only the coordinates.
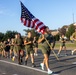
(9, 34)
(62, 30)
(70, 31)
(34, 33)
(57, 37)
(1, 36)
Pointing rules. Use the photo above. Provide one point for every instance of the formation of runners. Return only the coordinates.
(18, 47)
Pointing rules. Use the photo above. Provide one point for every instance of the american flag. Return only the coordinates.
(30, 20)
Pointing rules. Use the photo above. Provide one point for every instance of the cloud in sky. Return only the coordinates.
(6, 12)
(1, 10)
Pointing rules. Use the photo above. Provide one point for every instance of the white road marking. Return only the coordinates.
(15, 74)
(23, 66)
(3, 73)
(73, 62)
(55, 74)
(26, 67)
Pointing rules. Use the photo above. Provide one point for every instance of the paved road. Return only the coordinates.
(66, 66)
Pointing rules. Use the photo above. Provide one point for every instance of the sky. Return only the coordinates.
(53, 13)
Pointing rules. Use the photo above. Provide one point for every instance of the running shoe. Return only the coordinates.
(42, 66)
(49, 71)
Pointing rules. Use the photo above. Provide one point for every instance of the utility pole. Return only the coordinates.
(73, 18)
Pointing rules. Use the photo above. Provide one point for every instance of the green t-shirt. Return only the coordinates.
(29, 45)
(48, 38)
(18, 43)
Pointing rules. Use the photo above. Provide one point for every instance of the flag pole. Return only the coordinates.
(52, 49)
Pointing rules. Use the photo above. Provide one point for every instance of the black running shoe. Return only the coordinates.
(33, 65)
(25, 62)
(19, 63)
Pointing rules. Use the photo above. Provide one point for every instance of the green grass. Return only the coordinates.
(68, 45)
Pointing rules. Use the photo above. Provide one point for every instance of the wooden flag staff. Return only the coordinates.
(52, 50)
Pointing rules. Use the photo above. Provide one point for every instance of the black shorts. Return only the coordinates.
(7, 49)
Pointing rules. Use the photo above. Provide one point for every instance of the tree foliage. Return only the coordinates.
(34, 33)
(70, 31)
(1, 36)
(62, 30)
(57, 37)
(9, 34)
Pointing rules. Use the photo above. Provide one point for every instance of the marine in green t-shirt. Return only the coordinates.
(45, 49)
(74, 38)
(18, 47)
(28, 42)
(29, 47)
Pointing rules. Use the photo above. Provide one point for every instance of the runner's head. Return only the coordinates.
(29, 34)
(47, 29)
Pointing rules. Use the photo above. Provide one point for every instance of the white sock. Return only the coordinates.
(48, 69)
(42, 63)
